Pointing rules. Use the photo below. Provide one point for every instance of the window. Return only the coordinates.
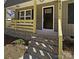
(26, 14)
(71, 13)
(21, 15)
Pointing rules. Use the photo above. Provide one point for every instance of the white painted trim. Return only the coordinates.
(43, 18)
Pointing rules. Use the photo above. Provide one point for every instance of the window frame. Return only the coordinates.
(25, 14)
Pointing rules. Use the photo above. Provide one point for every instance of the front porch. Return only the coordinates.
(25, 28)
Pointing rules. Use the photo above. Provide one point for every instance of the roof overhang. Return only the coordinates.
(30, 3)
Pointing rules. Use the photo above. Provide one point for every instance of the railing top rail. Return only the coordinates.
(23, 20)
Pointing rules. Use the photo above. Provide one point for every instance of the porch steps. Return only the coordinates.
(27, 35)
(18, 33)
(41, 48)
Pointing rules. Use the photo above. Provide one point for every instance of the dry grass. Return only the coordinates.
(14, 51)
(68, 49)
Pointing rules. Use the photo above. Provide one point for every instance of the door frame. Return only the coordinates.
(43, 17)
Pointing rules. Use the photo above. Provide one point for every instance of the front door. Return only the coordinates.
(48, 18)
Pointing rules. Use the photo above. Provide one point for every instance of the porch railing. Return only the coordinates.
(23, 25)
(7, 23)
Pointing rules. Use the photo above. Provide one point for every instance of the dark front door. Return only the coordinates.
(48, 18)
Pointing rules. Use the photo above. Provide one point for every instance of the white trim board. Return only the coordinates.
(43, 18)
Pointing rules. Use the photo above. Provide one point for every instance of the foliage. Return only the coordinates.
(19, 41)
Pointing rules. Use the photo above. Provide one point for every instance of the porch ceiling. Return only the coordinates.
(24, 3)
(14, 2)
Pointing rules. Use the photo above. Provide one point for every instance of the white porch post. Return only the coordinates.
(35, 10)
(60, 35)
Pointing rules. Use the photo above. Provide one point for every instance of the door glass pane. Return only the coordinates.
(48, 10)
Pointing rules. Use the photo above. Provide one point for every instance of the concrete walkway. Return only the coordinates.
(42, 48)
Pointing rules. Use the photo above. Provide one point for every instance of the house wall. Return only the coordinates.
(68, 29)
(39, 14)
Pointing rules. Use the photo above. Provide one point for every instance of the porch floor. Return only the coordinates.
(27, 35)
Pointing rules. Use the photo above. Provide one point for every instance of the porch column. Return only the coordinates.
(60, 28)
(35, 10)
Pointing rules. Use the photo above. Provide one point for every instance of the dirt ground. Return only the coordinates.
(12, 51)
(8, 39)
(68, 49)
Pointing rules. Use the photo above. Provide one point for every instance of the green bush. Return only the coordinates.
(19, 41)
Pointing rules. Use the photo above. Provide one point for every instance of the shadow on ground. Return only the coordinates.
(8, 39)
